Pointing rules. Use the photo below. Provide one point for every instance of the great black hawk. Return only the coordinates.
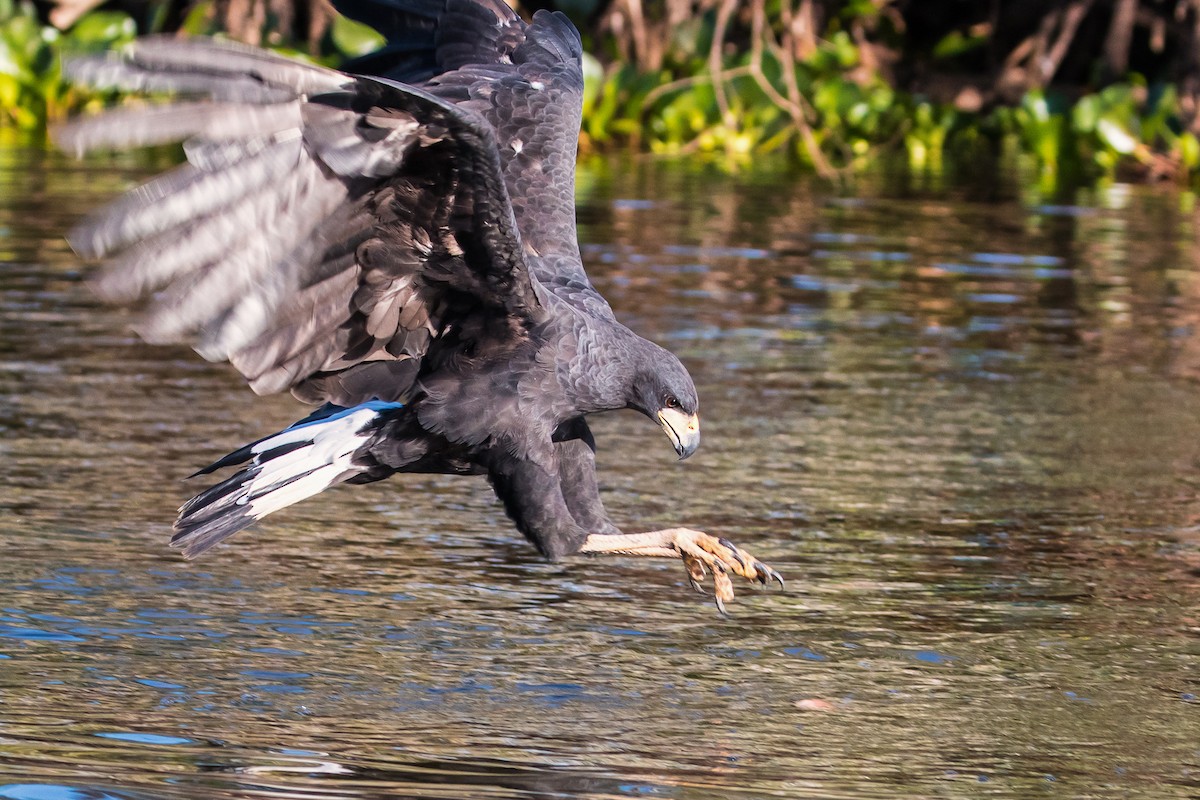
(396, 242)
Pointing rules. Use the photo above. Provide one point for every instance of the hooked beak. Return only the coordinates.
(682, 429)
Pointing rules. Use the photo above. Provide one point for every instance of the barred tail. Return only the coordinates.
(280, 470)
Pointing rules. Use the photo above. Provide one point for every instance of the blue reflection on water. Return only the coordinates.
(51, 791)
(36, 634)
(804, 652)
(143, 738)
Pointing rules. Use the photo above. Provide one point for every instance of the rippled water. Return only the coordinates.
(960, 417)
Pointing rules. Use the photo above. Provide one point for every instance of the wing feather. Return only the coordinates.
(181, 195)
(527, 81)
(151, 263)
(326, 231)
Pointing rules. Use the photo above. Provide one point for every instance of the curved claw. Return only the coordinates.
(766, 575)
(722, 558)
(696, 573)
(733, 551)
(724, 612)
(722, 587)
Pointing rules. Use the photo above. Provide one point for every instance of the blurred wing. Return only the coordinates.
(326, 232)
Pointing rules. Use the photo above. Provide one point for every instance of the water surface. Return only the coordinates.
(960, 417)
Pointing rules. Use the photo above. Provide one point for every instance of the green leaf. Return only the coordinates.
(956, 43)
(9, 62)
(1116, 137)
(198, 20)
(354, 39)
(102, 29)
(1086, 114)
(1189, 150)
(593, 80)
(1034, 103)
(844, 49)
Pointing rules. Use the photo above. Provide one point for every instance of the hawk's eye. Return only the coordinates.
(671, 401)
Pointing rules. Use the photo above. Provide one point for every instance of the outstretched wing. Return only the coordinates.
(327, 233)
(527, 81)
(426, 38)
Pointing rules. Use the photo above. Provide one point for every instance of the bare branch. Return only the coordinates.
(792, 103)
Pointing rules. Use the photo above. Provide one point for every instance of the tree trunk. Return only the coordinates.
(1120, 34)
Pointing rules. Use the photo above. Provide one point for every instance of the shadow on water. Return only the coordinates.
(962, 419)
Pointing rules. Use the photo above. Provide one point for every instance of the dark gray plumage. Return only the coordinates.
(399, 247)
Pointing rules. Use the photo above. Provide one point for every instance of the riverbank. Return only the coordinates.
(733, 88)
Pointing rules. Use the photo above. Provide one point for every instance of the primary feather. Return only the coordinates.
(362, 206)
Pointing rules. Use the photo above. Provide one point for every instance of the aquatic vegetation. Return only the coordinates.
(34, 92)
(1078, 87)
(830, 114)
(734, 82)
(32, 87)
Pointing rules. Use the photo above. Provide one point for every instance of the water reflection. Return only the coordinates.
(960, 418)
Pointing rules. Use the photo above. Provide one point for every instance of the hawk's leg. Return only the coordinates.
(576, 452)
(701, 553)
(566, 516)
